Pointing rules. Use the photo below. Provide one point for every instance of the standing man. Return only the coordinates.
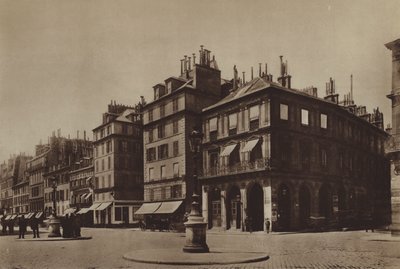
(22, 227)
(35, 227)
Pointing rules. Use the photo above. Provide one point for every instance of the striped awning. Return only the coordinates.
(83, 210)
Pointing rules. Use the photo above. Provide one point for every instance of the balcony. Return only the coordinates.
(238, 168)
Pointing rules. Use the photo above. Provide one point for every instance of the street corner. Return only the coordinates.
(175, 256)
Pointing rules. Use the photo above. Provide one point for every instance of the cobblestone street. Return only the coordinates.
(298, 250)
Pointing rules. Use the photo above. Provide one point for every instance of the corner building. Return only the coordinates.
(270, 151)
(118, 166)
(168, 122)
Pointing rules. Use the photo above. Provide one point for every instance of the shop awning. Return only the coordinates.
(29, 215)
(168, 207)
(86, 196)
(83, 210)
(13, 217)
(228, 150)
(250, 145)
(38, 215)
(8, 217)
(94, 206)
(69, 211)
(148, 208)
(103, 206)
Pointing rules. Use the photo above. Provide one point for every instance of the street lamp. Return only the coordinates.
(54, 221)
(195, 225)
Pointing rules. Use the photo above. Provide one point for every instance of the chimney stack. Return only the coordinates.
(266, 69)
(182, 66)
(251, 73)
(185, 64)
(84, 135)
(244, 78)
(77, 134)
(351, 87)
(189, 63)
(235, 78)
(259, 69)
(194, 59)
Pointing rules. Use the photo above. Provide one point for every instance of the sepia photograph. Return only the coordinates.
(200, 134)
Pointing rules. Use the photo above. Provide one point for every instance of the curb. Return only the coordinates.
(178, 257)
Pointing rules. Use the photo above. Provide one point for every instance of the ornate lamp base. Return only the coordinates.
(195, 230)
(54, 226)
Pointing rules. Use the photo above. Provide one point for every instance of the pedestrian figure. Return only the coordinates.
(35, 227)
(4, 224)
(22, 227)
(369, 225)
(66, 227)
(267, 225)
(77, 229)
(73, 225)
(10, 227)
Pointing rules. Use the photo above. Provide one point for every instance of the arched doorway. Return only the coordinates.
(284, 207)
(233, 208)
(325, 202)
(255, 207)
(304, 206)
(214, 208)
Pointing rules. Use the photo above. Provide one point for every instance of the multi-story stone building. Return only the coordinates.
(270, 151)
(118, 164)
(393, 143)
(36, 167)
(12, 173)
(63, 154)
(168, 121)
(21, 187)
(81, 186)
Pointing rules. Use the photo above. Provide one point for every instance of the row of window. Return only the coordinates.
(305, 116)
(163, 152)
(162, 131)
(103, 182)
(163, 193)
(175, 108)
(61, 195)
(163, 172)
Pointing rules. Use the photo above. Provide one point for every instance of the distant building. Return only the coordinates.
(36, 167)
(12, 174)
(274, 152)
(81, 185)
(61, 158)
(168, 121)
(21, 187)
(118, 165)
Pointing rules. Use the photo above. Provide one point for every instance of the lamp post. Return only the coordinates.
(54, 221)
(195, 225)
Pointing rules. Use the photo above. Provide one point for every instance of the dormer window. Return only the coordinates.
(169, 86)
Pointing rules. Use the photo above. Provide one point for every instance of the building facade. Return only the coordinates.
(168, 121)
(81, 186)
(118, 165)
(62, 156)
(272, 152)
(21, 186)
(36, 167)
(12, 174)
(393, 143)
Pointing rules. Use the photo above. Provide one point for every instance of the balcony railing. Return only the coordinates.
(241, 167)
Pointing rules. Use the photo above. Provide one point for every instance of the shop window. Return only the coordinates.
(118, 213)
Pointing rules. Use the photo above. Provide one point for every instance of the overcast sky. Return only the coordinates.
(61, 62)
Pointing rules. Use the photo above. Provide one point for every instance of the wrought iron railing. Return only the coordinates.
(241, 167)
